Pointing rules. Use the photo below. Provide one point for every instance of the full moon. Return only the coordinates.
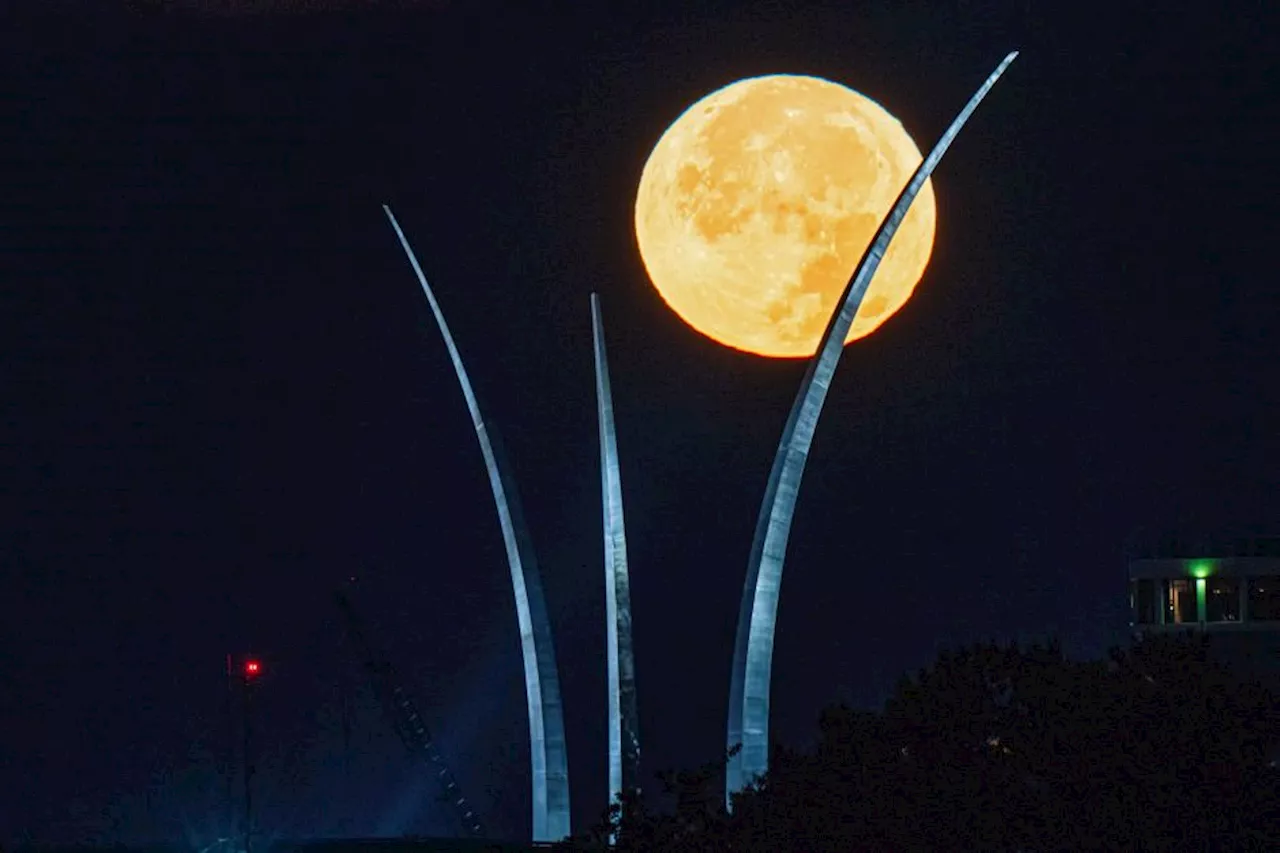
(757, 203)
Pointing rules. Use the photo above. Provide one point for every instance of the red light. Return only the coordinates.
(252, 667)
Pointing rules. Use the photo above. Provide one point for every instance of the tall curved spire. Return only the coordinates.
(624, 728)
(753, 646)
(550, 777)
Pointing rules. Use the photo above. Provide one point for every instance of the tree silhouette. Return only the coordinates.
(998, 747)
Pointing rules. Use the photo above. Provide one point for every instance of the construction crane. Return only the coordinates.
(404, 715)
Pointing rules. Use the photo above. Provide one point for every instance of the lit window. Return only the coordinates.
(1264, 599)
(1180, 602)
(1222, 600)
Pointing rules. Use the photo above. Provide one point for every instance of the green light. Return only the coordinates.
(1201, 569)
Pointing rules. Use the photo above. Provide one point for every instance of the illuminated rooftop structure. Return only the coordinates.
(1235, 586)
(1230, 589)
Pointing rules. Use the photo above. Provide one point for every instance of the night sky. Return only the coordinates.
(223, 393)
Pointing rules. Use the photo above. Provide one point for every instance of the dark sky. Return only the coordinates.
(223, 392)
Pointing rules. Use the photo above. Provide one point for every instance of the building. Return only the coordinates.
(1230, 589)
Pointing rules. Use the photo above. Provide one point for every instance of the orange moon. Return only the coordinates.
(757, 203)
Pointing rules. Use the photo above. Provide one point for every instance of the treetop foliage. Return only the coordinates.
(999, 747)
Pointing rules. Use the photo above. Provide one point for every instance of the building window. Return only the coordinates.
(1264, 599)
(1180, 602)
(1222, 600)
(1143, 602)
